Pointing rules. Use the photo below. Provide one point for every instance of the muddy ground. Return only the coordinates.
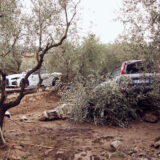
(30, 139)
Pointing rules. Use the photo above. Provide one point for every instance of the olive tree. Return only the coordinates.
(141, 19)
(45, 26)
(10, 33)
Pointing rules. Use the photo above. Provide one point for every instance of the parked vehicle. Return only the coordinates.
(134, 74)
(49, 79)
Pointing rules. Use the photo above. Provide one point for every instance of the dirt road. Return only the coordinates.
(30, 139)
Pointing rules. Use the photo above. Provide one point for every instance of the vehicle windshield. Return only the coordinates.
(115, 72)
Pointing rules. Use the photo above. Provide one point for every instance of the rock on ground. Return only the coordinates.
(149, 117)
(60, 112)
(156, 143)
(115, 145)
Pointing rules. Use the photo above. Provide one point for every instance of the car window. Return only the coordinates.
(140, 67)
(135, 68)
(115, 72)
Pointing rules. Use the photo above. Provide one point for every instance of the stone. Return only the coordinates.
(41, 89)
(18, 147)
(14, 157)
(60, 112)
(16, 154)
(48, 151)
(156, 143)
(31, 99)
(23, 118)
(158, 154)
(48, 88)
(115, 145)
(118, 156)
(142, 159)
(149, 117)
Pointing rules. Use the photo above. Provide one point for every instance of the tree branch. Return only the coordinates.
(3, 87)
(14, 43)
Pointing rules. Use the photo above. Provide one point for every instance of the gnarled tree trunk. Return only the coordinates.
(2, 114)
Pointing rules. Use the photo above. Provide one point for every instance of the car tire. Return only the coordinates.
(54, 81)
(27, 83)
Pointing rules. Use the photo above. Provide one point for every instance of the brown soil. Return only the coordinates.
(32, 139)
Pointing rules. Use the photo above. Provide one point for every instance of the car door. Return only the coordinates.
(33, 79)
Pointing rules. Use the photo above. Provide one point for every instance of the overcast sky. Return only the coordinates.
(97, 17)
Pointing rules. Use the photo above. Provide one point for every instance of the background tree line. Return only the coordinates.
(93, 57)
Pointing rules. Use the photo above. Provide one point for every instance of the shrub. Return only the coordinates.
(110, 106)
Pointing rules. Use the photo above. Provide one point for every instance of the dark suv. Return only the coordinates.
(137, 74)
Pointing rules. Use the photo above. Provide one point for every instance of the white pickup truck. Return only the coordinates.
(49, 79)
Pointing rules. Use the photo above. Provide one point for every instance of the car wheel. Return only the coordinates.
(26, 85)
(54, 81)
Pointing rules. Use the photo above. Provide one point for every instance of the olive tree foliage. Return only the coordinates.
(91, 53)
(123, 50)
(10, 32)
(66, 55)
(46, 27)
(91, 57)
(141, 19)
(79, 59)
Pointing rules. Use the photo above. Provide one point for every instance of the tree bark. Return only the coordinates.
(2, 114)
